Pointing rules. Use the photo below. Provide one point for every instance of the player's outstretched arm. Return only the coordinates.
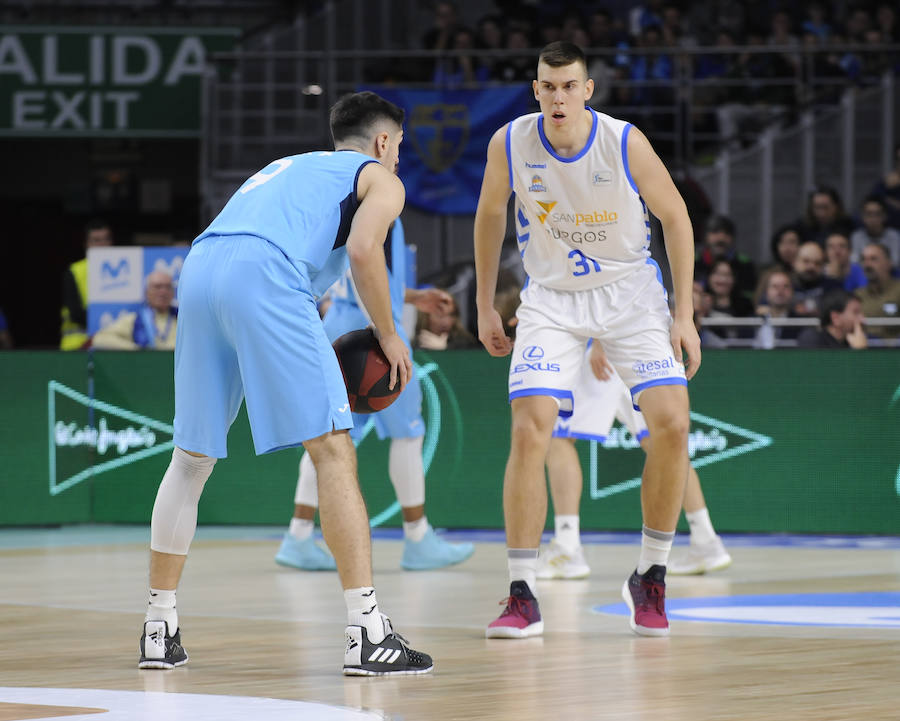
(381, 197)
(490, 227)
(663, 199)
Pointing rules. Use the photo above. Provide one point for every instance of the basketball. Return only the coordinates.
(366, 370)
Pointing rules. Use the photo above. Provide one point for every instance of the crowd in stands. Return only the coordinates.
(637, 55)
(819, 263)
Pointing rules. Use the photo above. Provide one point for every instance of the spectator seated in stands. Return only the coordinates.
(6, 340)
(838, 264)
(152, 327)
(841, 322)
(875, 230)
(73, 333)
(726, 300)
(785, 244)
(810, 282)
(718, 245)
(824, 215)
(777, 301)
(881, 295)
(888, 189)
(442, 330)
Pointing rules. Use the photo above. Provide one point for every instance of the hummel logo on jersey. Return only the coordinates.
(385, 655)
(535, 165)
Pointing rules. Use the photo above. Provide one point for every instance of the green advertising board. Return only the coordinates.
(784, 441)
(93, 81)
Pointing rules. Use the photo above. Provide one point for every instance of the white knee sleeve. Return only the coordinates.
(407, 471)
(175, 511)
(307, 493)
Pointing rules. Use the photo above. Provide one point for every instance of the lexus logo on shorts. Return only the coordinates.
(533, 353)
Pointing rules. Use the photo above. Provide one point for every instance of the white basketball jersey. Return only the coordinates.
(580, 221)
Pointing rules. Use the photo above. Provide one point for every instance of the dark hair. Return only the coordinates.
(354, 115)
(96, 224)
(834, 302)
(560, 53)
(874, 199)
(720, 224)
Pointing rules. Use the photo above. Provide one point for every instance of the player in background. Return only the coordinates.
(584, 183)
(600, 398)
(249, 326)
(401, 421)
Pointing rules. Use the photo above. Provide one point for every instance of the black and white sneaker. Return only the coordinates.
(159, 649)
(389, 657)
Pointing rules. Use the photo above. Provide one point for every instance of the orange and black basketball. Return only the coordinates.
(366, 370)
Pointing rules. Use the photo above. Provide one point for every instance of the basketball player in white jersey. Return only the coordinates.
(584, 182)
(601, 398)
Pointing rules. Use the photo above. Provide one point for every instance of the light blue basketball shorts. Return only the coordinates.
(401, 419)
(248, 328)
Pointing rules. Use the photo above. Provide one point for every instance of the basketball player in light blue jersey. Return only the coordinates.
(584, 185)
(401, 421)
(249, 327)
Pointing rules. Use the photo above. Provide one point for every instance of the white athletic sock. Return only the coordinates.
(522, 563)
(362, 610)
(301, 528)
(655, 547)
(407, 471)
(568, 533)
(702, 530)
(161, 607)
(415, 530)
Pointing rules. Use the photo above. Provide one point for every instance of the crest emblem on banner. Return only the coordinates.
(439, 133)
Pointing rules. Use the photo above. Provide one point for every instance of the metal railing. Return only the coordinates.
(267, 103)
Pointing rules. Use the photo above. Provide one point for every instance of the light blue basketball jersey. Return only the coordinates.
(343, 293)
(303, 205)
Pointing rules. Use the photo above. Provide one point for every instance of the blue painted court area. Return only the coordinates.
(874, 609)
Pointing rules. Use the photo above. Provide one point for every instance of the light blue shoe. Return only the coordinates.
(306, 555)
(433, 552)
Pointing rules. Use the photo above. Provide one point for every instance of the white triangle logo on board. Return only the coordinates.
(113, 436)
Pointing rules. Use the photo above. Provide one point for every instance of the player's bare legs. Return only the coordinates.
(345, 522)
(693, 493)
(666, 410)
(564, 472)
(524, 487)
(524, 512)
(564, 557)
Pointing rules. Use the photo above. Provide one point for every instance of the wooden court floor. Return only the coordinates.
(71, 616)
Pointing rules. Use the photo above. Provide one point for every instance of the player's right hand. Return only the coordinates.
(491, 333)
(397, 353)
(599, 363)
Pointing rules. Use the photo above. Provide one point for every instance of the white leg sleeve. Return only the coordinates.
(175, 511)
(407, 471)
(307, 484)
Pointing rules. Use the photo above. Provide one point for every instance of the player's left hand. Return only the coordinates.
(432, 300)
(686, 342)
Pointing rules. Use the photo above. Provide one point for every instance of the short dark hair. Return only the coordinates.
(719, 223)
(96, 224)
(834, 301)
(560, 53)
(354, 115)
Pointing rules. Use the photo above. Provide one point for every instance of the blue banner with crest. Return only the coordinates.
(445, 141)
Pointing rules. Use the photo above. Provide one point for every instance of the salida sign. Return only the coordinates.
(91, 81)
